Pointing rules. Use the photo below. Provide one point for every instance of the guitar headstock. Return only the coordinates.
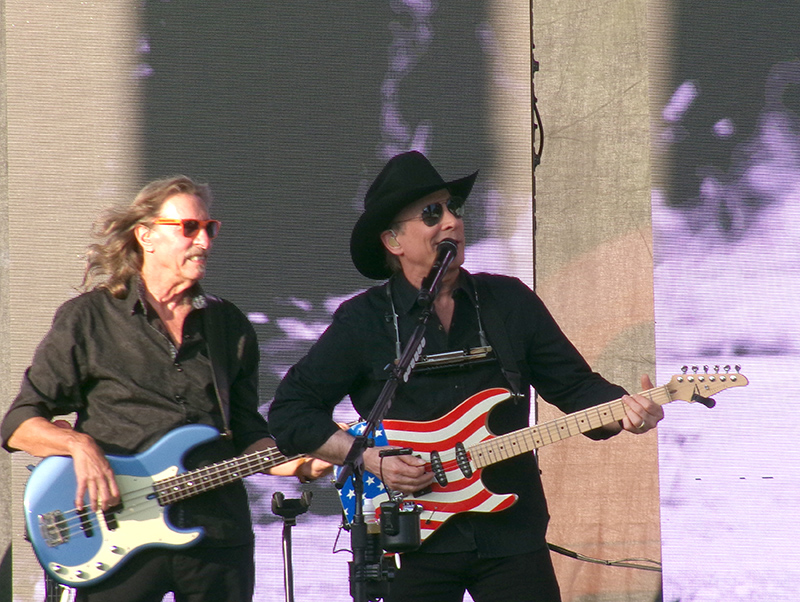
(696, 386)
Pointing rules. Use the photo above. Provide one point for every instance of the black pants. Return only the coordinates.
(445, 577)
(194, 575)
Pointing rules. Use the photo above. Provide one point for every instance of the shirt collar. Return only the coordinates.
(135, 302)
(405, 294)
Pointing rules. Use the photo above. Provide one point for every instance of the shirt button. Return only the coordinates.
(179, 398)
(178, 367)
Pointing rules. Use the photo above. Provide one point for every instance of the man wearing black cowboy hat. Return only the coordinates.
(511, 341)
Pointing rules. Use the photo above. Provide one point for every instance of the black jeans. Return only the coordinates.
(194, 575)
(445, 577)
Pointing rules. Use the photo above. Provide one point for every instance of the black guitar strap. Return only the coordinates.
(498, 336)
(215, 342)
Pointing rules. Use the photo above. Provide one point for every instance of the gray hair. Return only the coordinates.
(118, 255)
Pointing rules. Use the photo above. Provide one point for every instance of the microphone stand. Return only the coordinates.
(289, 510)
(354, 462)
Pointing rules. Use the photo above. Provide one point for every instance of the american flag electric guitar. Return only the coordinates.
(458, 446)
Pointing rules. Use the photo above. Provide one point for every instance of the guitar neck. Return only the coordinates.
(531, 438)
(191, 483)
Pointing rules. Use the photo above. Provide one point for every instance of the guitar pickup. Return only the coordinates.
(438, 469)
(86, 524)
(462, 459)
(110, 517)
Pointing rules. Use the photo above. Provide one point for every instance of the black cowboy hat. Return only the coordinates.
(406, 178)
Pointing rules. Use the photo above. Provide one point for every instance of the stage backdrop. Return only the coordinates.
(289, 112)
(289, 109)
(594, 270)
(725, 220)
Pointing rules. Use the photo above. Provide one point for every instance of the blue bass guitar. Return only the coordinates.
(82, 547)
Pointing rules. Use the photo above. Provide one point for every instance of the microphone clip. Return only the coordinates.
(445, 254)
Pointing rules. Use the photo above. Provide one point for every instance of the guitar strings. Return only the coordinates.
(524, 440)
(172, 489)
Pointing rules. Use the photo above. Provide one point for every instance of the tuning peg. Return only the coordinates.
(727, 368)
(684, 369)
(695, 369)
(716, 368)
(738, 368)
(705, 369)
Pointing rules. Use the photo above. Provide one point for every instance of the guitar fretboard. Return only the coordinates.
(526, 440)
(188, 484)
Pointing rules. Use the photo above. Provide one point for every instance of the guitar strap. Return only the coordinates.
(215, 342)
(495, 326)
(498, 336)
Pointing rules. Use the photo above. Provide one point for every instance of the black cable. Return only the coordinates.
(642, 564)
(536, 116)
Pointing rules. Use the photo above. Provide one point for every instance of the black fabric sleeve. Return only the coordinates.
(52, 384)
(300, 415)
(246, 422)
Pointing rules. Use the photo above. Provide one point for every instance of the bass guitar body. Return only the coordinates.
(83, 547)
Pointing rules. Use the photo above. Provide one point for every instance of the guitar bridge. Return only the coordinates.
(54, 528)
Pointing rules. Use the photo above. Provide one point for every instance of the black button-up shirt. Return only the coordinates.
(350, 358)
(112, 362)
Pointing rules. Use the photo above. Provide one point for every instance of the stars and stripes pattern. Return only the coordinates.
(465, 424)
(373, 487)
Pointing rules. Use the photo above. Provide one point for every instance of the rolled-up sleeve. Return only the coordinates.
(52, 384)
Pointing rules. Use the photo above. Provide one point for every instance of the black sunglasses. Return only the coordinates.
(191, 227)
(432, 214)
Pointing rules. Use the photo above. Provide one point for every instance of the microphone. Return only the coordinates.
(445, 254)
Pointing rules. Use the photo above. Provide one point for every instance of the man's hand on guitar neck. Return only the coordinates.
(42, 438)
(641, 413)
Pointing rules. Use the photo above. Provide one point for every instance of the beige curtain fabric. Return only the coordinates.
(594, 270)
(72, 148)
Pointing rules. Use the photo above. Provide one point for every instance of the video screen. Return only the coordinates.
(726, 279)
(290, 114)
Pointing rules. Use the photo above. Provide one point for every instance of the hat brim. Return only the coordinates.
(366, 248)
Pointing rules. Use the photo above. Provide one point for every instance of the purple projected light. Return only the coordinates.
(724, 128)
(727, 280)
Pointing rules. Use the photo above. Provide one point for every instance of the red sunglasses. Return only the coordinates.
(192, 227)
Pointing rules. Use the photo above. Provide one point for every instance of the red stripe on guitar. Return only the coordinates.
(444, 441)
(447, 420)
(470, 504)
(457, 483)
